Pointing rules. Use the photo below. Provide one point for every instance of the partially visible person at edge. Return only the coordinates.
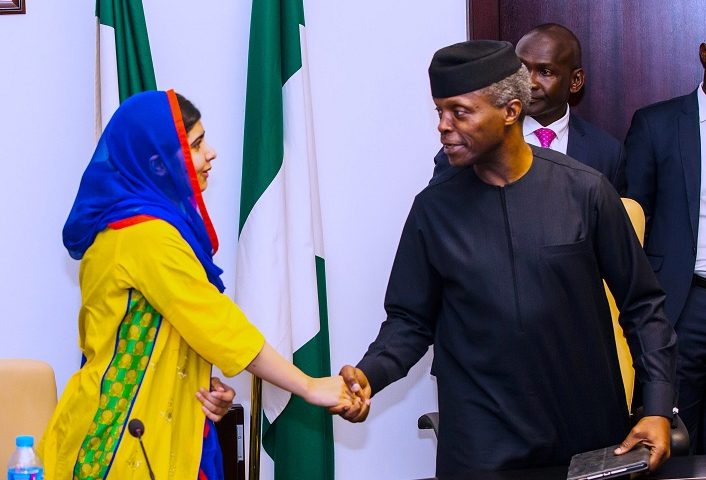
(153, 318)
(552, 54)
(666, 171)
(500, 267)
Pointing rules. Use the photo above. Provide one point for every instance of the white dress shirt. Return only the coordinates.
(700, 268)
(560, 127)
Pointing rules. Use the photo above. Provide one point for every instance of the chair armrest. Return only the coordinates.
(679, 438)
(429, 421)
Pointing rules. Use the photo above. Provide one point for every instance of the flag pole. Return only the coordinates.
(255, 428)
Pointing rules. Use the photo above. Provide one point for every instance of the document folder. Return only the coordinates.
(603, 463)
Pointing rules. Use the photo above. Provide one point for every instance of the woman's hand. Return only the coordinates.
(330, 392)
(215, 404)
(324, 392)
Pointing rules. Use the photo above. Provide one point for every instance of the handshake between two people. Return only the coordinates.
(357, 384)
(346, 394)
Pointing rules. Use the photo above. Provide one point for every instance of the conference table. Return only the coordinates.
(677, 468)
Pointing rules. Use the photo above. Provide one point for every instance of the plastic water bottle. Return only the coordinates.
(24, 463)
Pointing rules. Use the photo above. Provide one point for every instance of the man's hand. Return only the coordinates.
(357, 383)
(652, 432)
(215, 404)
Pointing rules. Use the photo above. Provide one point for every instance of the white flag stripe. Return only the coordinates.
(107, 68)
(301, 242)
(276, 264)
(311, 148)
(263, 285)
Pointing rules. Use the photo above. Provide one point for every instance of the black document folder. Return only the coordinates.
(603, 463)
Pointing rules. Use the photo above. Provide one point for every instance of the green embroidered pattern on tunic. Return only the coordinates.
(135, 342)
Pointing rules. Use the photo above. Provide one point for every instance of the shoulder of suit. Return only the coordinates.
(564, 162)
(666, 106)
(598, 134)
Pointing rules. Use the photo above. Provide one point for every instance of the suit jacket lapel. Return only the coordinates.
(690, 150)
(576, 147)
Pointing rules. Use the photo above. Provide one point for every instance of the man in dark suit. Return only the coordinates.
(552, 54)
(666, 148)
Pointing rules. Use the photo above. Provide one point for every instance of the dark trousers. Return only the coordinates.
(691, 367)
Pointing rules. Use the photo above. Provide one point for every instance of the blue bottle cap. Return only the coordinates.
(24, 441)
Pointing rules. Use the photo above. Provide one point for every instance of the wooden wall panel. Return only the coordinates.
(635, 52)
(483, 19)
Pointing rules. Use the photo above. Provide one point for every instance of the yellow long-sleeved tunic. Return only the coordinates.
(150, 326)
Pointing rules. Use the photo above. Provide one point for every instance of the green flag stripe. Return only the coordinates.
(274, 56)
(313, 356)
(325, 360)
(104, 12)
(292, 17)
(132, 46)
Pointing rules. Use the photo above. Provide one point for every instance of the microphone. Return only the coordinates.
(137, 429)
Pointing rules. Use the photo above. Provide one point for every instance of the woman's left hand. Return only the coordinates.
(215, 404)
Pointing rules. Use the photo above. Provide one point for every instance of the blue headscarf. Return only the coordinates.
(142, 166)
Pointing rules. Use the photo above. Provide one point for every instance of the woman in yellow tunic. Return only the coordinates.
(153, 318)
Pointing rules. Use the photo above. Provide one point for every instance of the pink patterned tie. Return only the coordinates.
(545, 136)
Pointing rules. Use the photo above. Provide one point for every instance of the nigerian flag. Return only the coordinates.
(280, 282)
(123, 58)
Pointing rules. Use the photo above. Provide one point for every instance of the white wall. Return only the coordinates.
(46, 111)
(375, 131)
(376, 137)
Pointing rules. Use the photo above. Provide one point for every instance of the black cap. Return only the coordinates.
(468, 66)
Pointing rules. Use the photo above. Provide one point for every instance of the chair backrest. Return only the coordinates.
(231, 437)
(637, 217)
(27, 401)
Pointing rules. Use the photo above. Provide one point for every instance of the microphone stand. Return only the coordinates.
(149, 467)
(137, 429)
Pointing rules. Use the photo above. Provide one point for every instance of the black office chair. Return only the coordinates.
(679, 435)
(231, 437)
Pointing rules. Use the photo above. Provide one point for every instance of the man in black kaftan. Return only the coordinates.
(500, 267)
